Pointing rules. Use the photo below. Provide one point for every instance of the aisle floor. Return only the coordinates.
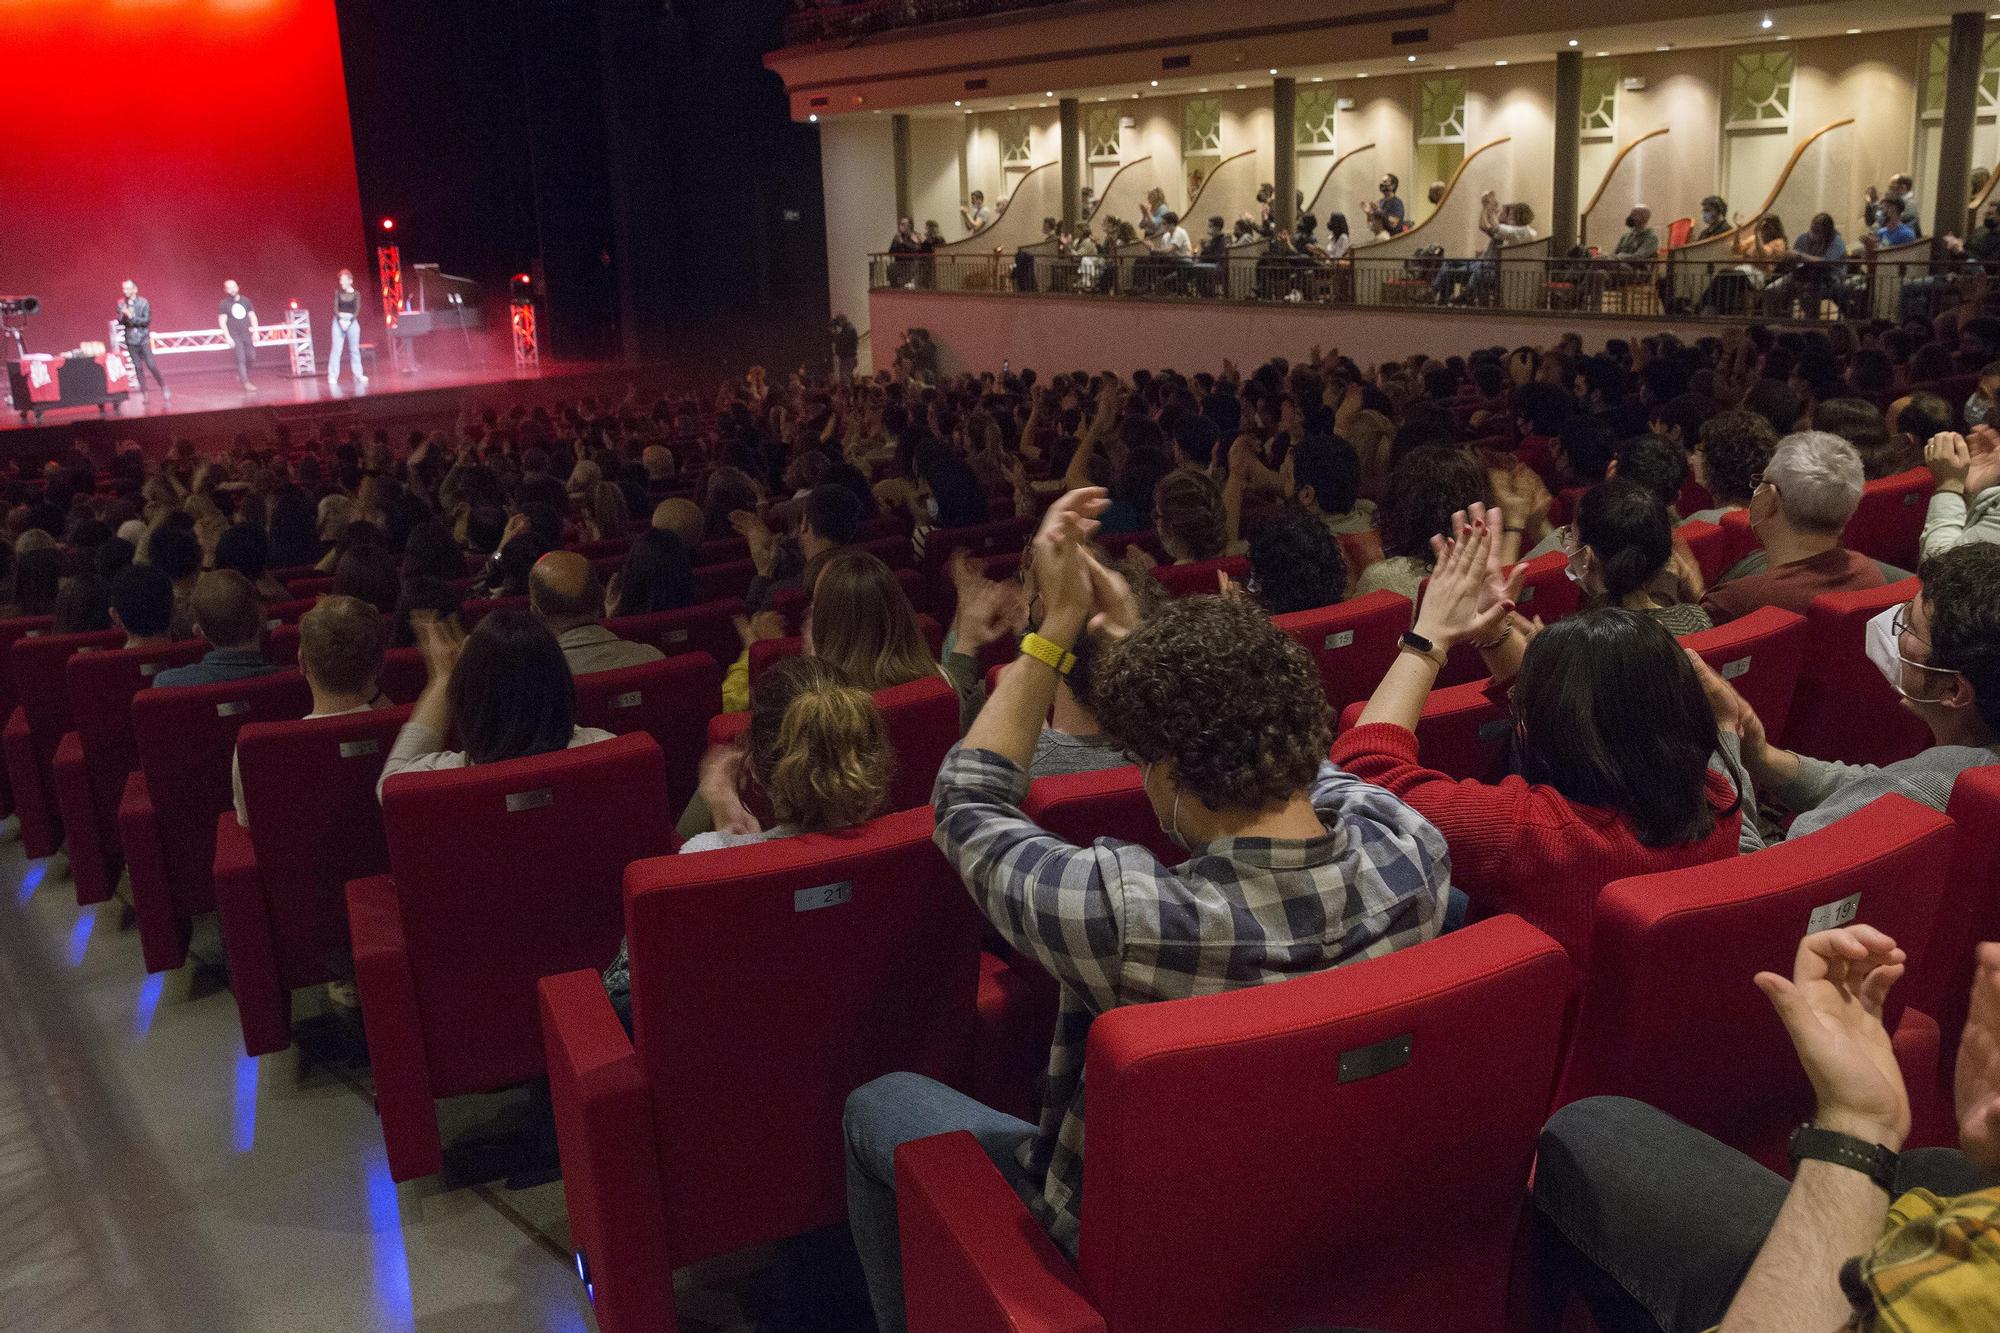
(153, 1177)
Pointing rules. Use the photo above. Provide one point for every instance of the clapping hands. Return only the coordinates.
(1470, 593)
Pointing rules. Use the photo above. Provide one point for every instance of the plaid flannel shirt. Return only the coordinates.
(1115, 926)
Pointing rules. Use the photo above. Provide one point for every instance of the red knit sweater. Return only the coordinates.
(1518, 847)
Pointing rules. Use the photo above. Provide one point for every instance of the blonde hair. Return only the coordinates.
(863, 624)
(818, 747)
(609, 511)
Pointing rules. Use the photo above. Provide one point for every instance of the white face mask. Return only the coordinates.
(1171, 825)
(1883, 650)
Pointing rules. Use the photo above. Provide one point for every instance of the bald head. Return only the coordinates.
(563, 591)
(683, 518)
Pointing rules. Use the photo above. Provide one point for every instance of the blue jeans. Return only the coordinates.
(882, 1116)
(352, 336)
(1656, 1223)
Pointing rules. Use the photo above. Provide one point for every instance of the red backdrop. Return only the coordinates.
(178, 143)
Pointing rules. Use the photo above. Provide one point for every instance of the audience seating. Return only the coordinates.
(791, 603)
(1709, 545)
(1463, 731)
(166, 816)
(499, 875)
(288, 613)
(280, 885)
(1761, 655)
(717, 1124)
(1889, 522)
(475, 609)
(922, 721)
(706, 627)
(1843, 709)
(982, 540)
(91, 763)
(1668, 1014)
(37, 725)
(1546, 594)
(1341, 1094)
(12, 632)
(670, 700)
(712, 582)
(1939, 980)
(1352, 642)
(1740, 540)
(766, 651)
(1201, 576)
(1083, 807)
(309, 587)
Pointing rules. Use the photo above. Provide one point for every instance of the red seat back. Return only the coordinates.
(11, 633)
(705, 627)
(1740, 539)
(1080, 808)
(867, 955)
(1669, 1015)
(510, 872)
(1761, 655)
(1890, 519)
(305, 589)
(713, 582)
(102, 686)
(981, 539)
(670, 700)
(1940, 977)
(766, 651)
(185, 736)
(1462, 731)
(1843, 709)
(1341, 1094)
(1710, 547)
(41, 689)
(1352, 643)
(1201, 576)
(475, 609)
(1546, 592)
(315, 823)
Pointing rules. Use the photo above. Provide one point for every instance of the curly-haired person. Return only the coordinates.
(1294, 866)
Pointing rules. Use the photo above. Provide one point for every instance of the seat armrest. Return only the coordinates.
(1016, 1014)
(263, 1001)
(76, 803)
(1933, 1119)
(394, 1025)
(610, 1162)
(974, 1259)
(24, 775)
(162, 937)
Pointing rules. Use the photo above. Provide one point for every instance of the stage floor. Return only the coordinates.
(210, 408)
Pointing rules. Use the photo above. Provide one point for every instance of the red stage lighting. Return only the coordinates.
(388, 224)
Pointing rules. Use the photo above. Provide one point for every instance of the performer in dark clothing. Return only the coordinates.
(237, 318)
(346, 331)
(135, 316)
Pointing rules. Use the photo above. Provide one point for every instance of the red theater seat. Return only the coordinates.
(500, 875)
(93, 761)
(1201, 577)
(980, 540)
(37, 725)
(1668, 1013)
(1341, 1095)
(670, 700)
(280, 884)
(922, 720)
(717, 1126)
(1352, 643)
(714, 582)
(1462, 731)
(705, 627)
(475, 609)
(1709, 545)
(288, 613)
(166, 815)
(1889, 522)
(11, 632)
(1083, 807)
(1843, 709)
(1739, 539)
(1546, 593)
(1939, 981)
(1761, 655)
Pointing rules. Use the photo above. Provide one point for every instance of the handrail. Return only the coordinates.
(1001, 216)
(1312, 204)
(1111, 184)
(1443, 199)
(1749, 223)
(1617, 161)
(1209, 179)
(1985, 193)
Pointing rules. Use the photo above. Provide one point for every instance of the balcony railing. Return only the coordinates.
(1662, 289)
(826, 22)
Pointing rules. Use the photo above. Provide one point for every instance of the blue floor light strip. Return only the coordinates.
(243, 1121)
(149, 1001)
(387, 1257)
(79, 936)
(31, 879)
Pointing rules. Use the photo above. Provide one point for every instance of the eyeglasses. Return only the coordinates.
(1756, 480)
(1571, 543)
(1899, 625)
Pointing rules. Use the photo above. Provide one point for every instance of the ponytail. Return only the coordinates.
(1628, 528)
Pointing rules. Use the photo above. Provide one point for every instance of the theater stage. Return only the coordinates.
(210, 408)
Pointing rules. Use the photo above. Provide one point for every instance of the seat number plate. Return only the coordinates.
(823, 895)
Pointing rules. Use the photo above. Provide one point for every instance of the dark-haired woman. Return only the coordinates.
(1621, 552)
(658, 575)
(1427, 486)
(1616, 748)
(505, 692)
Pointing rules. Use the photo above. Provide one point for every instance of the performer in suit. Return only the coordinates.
(237, 318)
(135, 316)
(347, 330)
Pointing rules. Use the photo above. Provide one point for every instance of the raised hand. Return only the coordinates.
(1976, 1079)
(1949, 458)
(1831, 1007)
(1057, 557)
(1468, 595)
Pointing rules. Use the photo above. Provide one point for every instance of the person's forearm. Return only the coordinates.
(1503, 658)
(1831, 1214)
(433, 710)
(1771, 767)
(1399, 700)
(1011, 722)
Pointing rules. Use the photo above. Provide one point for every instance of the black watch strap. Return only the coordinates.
(1827, 1145)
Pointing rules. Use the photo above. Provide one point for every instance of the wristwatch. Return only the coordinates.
(1417, 643)
(1050, 654)
(1872, 1160)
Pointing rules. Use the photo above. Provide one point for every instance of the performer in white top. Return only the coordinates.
(346, 329)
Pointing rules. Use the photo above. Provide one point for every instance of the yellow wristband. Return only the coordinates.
(1051, 655)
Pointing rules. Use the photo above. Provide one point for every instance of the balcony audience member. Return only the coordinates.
(230, 620)
(142, 605)
(977, 215)
(1808, 271)
(1638, 245)
(1434, 193)
(815, 750)
(341, 644)
(1893, 228)
(503, 692)
(1302, 868)
(1800, 505)
(1759, 251)
(1714, 218)
(1617, 750)
(1385, 216)
(1875, 208)
(1660, 1226)
(564, 594)
(1940, 653)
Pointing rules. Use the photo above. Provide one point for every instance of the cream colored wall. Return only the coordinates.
(934, 194)
(1384, 115)
(858, 171)
(982, 166)
(1873, 79)
(1673, 173)
(1519, 102)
